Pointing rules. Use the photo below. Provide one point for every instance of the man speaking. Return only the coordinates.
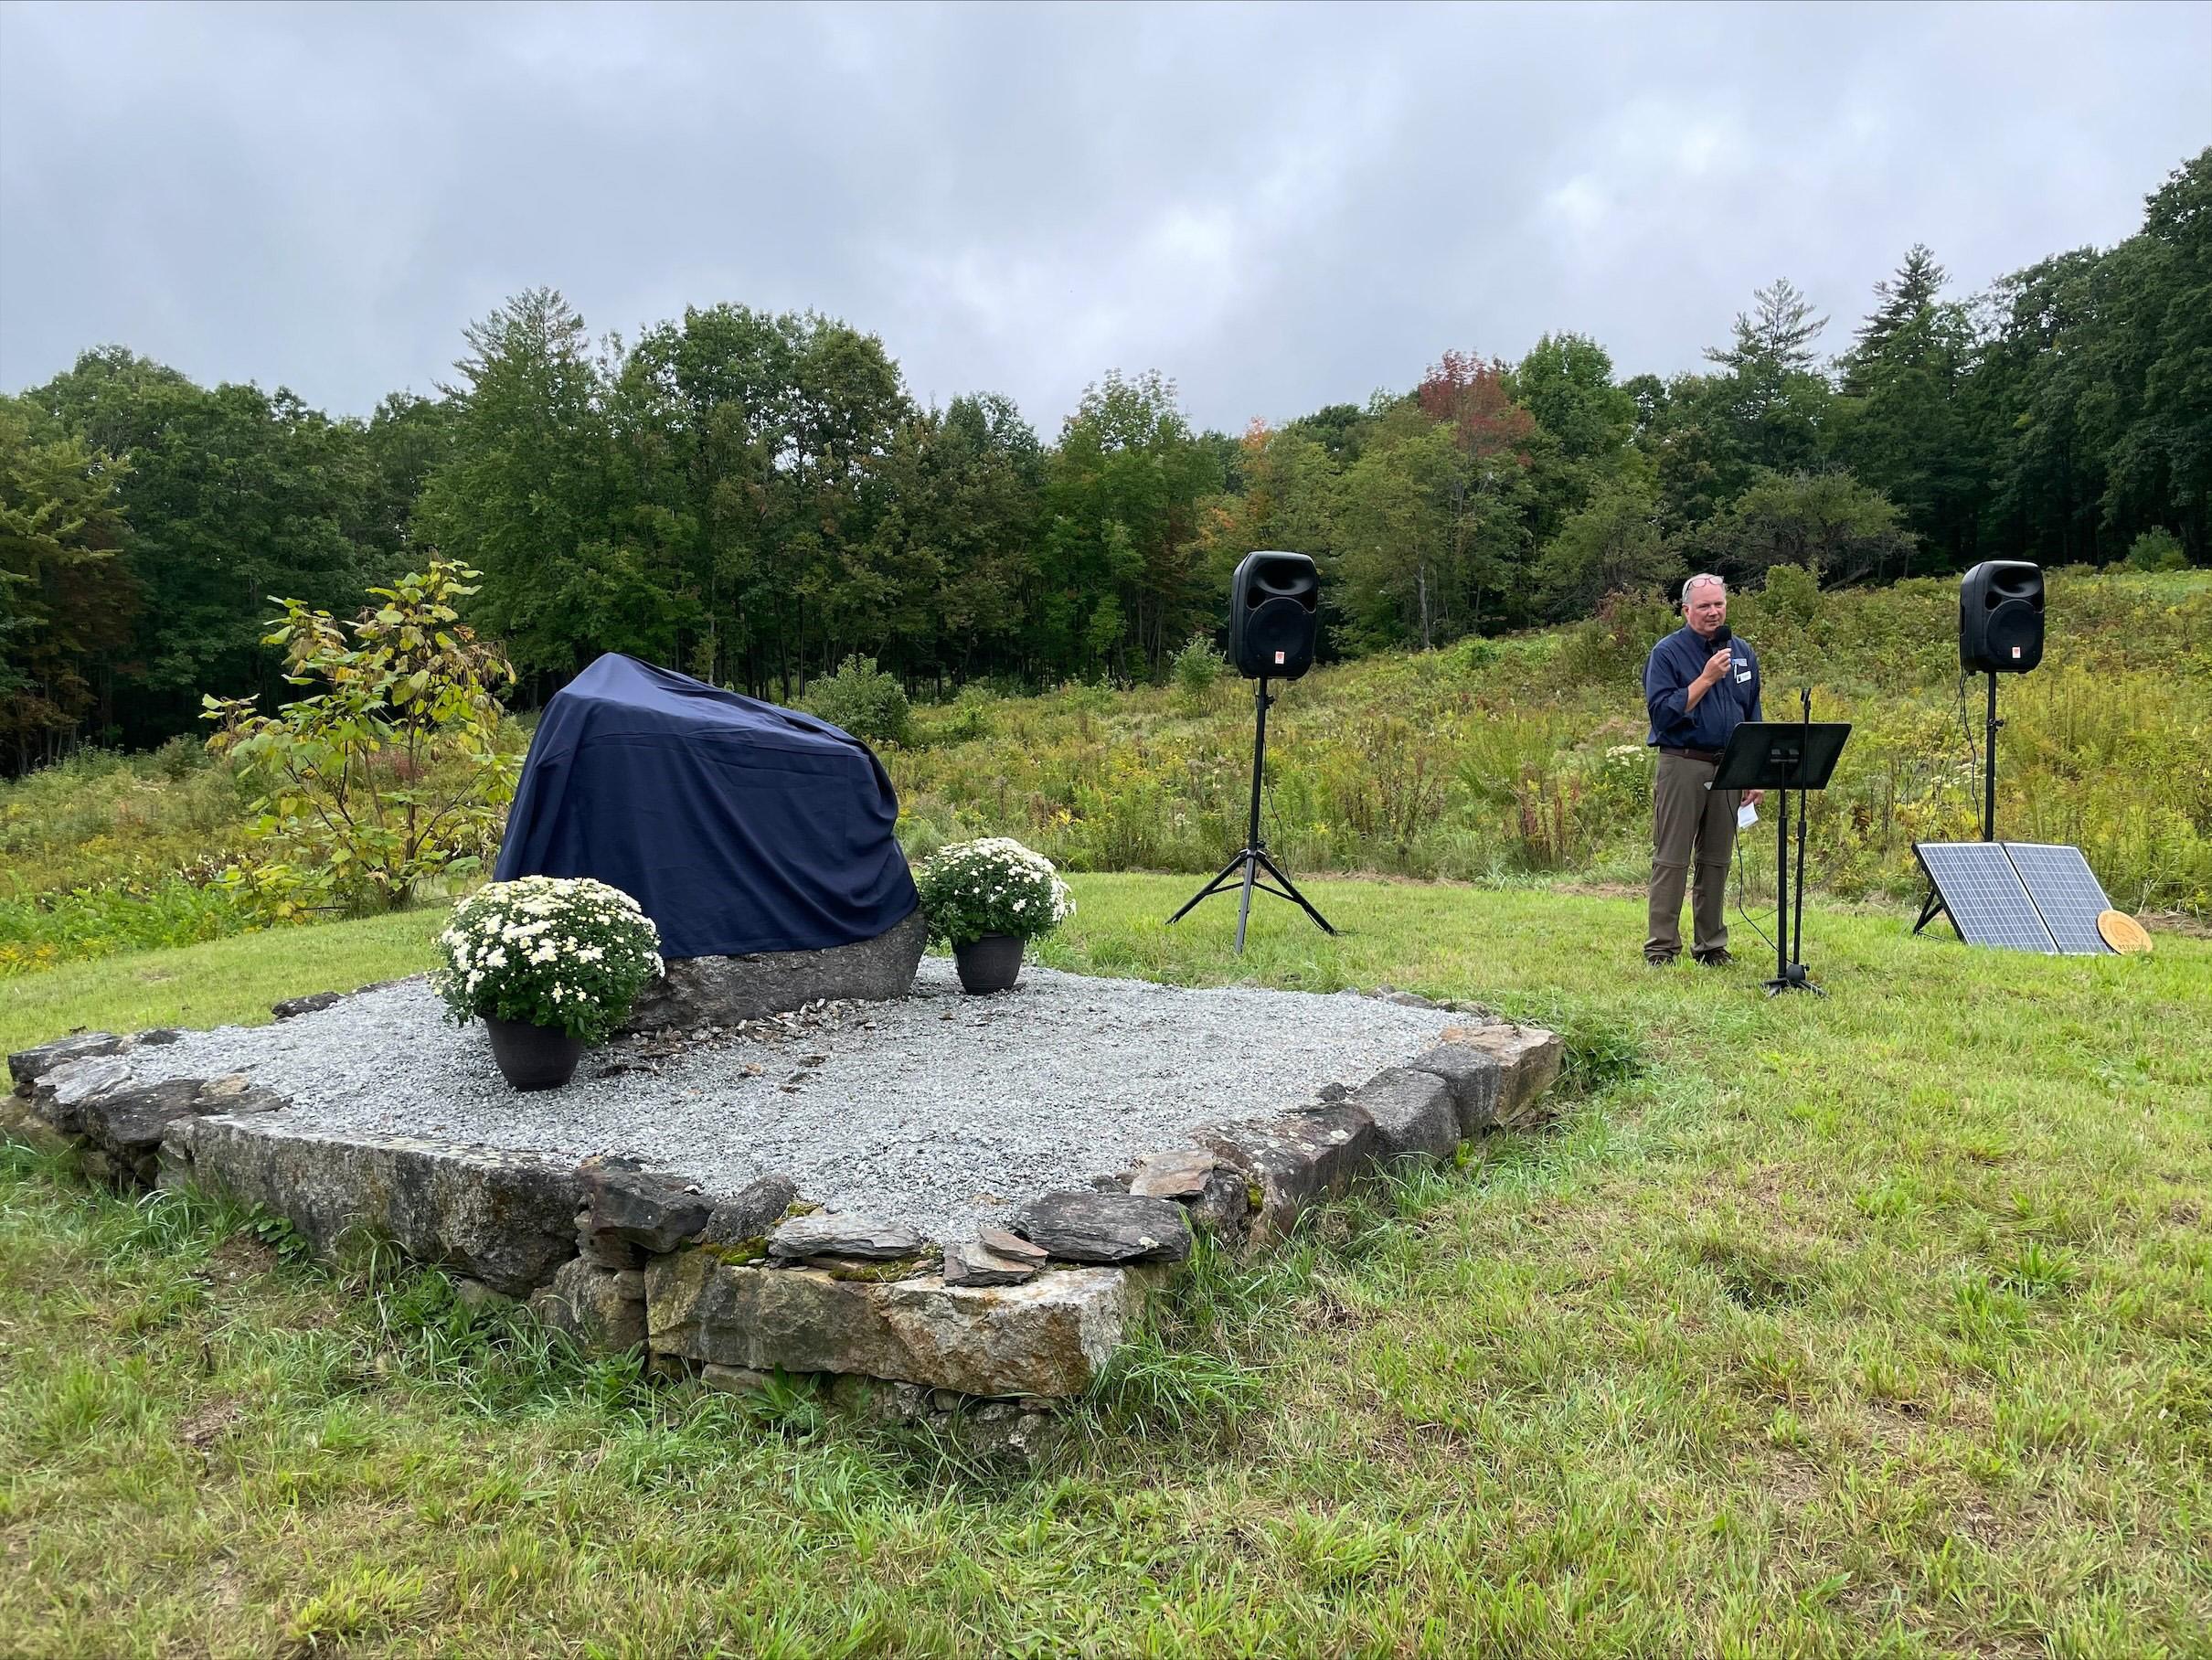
(1700, 684)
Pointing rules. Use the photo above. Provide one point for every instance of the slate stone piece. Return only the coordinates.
(127, 1124)
(600, 1308)
(1473, 1076)
(723, 991)
(1413, 1114)
(648, 1209)
(1529, 1065)
(1213, 1194)
(1012, 1246)
(1078, 1227)
(1295, 1160)
(1047, 1337)
(291, 1009)
(750, 1213)
(1225, 1208)
(61, 1092)
(26, 1067)
(507, 1219)
(605, 1250)
(823, 1233)
(1180, 1174)
(117, 1122)
(976, 1264)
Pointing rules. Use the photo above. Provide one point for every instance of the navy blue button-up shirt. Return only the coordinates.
(1677, 661)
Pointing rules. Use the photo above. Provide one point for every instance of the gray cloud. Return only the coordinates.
(1280, 207)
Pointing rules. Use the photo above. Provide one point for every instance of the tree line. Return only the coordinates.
(753, 497)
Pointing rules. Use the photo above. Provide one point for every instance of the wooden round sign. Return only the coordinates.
(2122, 932)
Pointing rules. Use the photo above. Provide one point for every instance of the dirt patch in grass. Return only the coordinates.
(205, 1425)
(240, 1257)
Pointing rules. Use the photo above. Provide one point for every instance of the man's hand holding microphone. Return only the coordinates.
(1718, 668)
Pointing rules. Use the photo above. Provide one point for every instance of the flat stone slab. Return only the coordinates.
(1048, 1337)
(723, 991)
(937, 1112)
(506, 1218)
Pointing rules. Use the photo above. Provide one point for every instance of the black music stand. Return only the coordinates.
(1782, 756)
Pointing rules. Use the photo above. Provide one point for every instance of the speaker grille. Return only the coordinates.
(2001, 617)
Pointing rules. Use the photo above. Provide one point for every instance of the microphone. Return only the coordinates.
(1721, 637)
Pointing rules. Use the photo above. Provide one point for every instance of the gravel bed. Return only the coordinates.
(937, 1110)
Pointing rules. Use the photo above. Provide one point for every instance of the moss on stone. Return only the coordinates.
(867, 1273)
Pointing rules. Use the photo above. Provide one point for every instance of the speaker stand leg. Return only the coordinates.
(1289, 890)
(1211, 889)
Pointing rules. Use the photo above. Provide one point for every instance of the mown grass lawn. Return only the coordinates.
(1881, 1324)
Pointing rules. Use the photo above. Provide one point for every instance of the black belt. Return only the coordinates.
(1713, 755)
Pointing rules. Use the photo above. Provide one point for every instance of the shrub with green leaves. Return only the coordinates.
(994, 886)
(2158, 549)
(391, 776)
(866, 701)
(1198, 668)
(562, 951)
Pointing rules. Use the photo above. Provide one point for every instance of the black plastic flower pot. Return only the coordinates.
(992, 964)
(532, 1057)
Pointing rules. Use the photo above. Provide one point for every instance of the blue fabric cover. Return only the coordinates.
(738, 825)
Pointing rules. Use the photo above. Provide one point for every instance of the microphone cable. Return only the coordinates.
(1748, 920)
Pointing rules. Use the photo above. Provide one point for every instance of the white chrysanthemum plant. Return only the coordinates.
(558, 951)
(996, 886)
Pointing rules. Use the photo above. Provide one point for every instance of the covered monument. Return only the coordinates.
(759, 840)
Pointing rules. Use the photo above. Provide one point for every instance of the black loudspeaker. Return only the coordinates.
(1271, 603)
(2001, 617)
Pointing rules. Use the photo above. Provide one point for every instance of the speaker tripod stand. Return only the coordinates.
(1245, 868)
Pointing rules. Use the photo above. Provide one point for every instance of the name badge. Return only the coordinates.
(1742, 676)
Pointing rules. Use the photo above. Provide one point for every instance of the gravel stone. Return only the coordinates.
(938, 1110)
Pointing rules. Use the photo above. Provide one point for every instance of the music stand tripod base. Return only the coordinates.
(1779, 757)
(1793, 978)
(1252, 859)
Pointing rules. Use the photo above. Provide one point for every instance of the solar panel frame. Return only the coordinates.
(1983, 894)
(2064, 892)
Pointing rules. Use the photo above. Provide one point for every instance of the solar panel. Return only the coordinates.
(1987, 901)
(2064, 891)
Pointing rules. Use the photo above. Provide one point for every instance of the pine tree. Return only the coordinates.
(1776, 341)
(1899, 303)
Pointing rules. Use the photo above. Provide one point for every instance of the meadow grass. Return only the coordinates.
(1524, 758)
(1877, 1325)
(1519, 759)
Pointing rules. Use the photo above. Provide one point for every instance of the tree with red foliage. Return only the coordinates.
(1470, 393)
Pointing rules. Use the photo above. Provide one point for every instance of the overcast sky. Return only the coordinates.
(1278, 207)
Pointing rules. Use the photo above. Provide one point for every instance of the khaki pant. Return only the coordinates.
(1691, 826)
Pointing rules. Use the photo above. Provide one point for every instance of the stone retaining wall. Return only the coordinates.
(735, 1285)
